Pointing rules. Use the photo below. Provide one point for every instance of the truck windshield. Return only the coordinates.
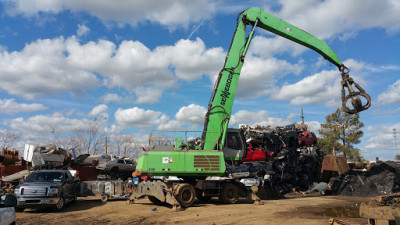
(46, 177)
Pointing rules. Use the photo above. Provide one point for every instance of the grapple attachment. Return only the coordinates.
(354, 96)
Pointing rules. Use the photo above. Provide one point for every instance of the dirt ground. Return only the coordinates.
(291, 210)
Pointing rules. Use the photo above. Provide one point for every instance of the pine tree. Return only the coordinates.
(341, 131)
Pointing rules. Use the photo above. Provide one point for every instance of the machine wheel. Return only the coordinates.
(104, 199)
(155, 200)
(229, 194)
(185, 195)
(60, 204)
(202, 198)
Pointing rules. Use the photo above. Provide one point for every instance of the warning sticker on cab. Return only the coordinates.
(166, 160)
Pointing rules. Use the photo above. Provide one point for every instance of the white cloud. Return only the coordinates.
(381, 137)
(170, 125)
(57, 65)
(45, 124)
(320, 87)
(314, 126)
(147, 95)
(98, 110)
(9, 106)
(191, 59)
(333, 18)
(82, 30)
(48, 71)
(392, 95)
(135, 64)
(140, 118)
(267, 47)
(111, 97)
(258, 76)
(260, 118)
(170, 13)
(191, 114)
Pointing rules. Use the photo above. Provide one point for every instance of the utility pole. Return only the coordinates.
(395, 141)
(106, 144)
(302, 116)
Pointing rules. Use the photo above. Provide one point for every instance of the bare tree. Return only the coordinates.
(128, 145)
(124, 145)
(117, 142)
(87, 138)
(8, 138)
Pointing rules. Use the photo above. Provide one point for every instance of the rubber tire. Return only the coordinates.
(229, 194)
(60, 204)
(104, 199)
(154, 200)
(185, 195)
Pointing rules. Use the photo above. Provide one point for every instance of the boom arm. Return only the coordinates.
(220, 105)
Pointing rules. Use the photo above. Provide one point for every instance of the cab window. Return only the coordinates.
(234, 141)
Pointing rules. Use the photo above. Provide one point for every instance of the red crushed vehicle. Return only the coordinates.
(254, 153)
(307, 138)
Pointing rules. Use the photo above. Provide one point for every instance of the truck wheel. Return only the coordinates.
(104, 199)
(60, 204)
(155, 200)
(229, 194)
(185, 195)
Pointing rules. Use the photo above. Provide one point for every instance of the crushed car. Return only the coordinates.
(307, 138)
(116, 168)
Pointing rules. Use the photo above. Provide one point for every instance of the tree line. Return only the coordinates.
(89, 138)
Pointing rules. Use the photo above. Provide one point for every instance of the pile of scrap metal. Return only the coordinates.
(382, 178)
(45, 157)
(289, 166)
(11, 164)
(382, 210)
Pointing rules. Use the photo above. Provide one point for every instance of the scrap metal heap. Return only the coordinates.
(287, 167)
(382, 210)
(382, 178)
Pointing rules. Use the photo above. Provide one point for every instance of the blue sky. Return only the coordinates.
(144, 65)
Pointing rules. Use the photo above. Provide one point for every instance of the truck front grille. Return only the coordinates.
(208, 163)
(36, 191)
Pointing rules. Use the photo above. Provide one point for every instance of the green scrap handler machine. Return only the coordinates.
(201, 171)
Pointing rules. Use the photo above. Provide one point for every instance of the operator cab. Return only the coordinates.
(235, 146)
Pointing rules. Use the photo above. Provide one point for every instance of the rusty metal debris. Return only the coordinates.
(382, 210)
